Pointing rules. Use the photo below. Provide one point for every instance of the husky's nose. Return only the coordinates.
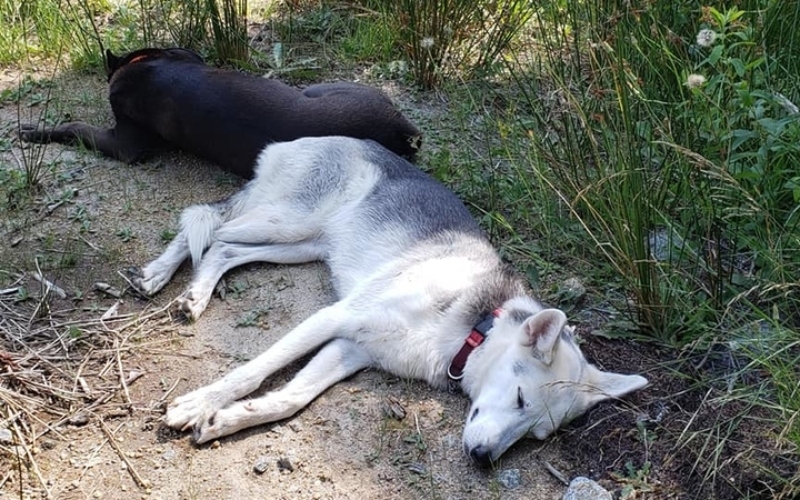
(481, 455)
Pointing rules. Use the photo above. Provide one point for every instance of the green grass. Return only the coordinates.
(445, 39)
(45, 29)
(685, 187)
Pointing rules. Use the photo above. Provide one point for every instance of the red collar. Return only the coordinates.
(475, 338)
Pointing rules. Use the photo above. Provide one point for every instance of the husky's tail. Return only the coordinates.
(200, 222)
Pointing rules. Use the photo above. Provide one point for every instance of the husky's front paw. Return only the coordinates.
(192, 410)
(193, 303)
(226, 421)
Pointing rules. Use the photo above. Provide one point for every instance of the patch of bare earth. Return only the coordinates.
(88, 394)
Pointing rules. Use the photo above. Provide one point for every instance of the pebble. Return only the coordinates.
(394, 409)
(79, 419)
(261, 465)
(509, 478)
(418, 468)
(285, 465)
(583, 488)
(5, 436)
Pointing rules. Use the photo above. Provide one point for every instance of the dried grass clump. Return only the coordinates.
(57, 370)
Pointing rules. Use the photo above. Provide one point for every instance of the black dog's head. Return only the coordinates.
(113, 63)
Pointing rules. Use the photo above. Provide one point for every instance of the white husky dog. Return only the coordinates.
(422, 294)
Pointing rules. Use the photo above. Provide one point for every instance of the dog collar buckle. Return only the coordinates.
(475, 338)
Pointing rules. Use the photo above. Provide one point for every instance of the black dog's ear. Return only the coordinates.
(112, 63)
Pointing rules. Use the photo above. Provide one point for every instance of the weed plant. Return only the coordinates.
(454, 37)
(671, 133)
(229, 30)
(45, 28)
(685, 180)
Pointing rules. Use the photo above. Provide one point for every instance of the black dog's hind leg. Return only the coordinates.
(126, 141)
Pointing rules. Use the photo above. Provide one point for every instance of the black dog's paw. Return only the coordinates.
(30, 133)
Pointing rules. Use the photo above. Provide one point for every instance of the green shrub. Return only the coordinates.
(454, 37)
(677, 158)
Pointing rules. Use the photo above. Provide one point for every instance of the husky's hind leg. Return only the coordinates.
(260, 234)
(222, 257)
(336, 361)
(198, 224)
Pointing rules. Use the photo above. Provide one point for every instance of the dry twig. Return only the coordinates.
(55, 365)
(142, 483)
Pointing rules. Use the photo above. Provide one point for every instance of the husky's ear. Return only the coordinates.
(542, 330)
(608, 385)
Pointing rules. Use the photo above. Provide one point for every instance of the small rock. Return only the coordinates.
(418, 468)
(262, 464)
(169, 455)
(285, 465)
(5, 436)
(79, 419)
(583, 488)
(106, 288)
(509, 478)
(215, 445)
(392, 408)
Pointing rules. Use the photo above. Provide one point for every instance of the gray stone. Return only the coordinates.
(509, 478)
(583, 488)
(5, 436)
(664, 245)
(284, 465)
(418, 468)
(261, 465)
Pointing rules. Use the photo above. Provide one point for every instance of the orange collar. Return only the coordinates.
(138, 58)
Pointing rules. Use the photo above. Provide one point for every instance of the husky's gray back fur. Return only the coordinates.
(407, 197)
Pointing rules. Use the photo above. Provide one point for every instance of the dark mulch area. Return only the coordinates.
(698, 444)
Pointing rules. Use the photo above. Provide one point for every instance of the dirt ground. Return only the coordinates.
(372, 436)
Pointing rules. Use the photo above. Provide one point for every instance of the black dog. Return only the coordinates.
(165, 99)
